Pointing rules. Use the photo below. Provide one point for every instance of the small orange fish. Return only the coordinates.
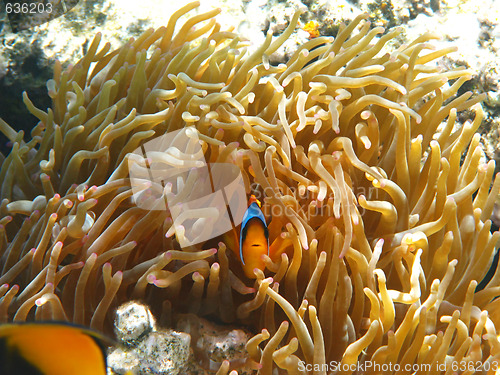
(254, 238)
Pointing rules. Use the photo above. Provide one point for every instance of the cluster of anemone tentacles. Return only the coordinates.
(377, 199)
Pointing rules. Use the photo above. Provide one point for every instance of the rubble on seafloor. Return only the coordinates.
(194, 346)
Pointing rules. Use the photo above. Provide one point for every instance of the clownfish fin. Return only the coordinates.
(254, 199)
(51, 348)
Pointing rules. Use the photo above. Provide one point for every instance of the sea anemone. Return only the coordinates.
(378, 200)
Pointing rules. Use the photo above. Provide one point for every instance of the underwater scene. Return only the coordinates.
(249, 187)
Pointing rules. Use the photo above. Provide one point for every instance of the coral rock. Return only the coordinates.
(133, 321)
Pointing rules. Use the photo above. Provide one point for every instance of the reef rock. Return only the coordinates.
(196, 346)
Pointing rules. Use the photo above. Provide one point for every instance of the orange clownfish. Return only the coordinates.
(50, 349)
(254, 238)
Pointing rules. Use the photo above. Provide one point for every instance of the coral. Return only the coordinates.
(133, 320)
(214, 344)
(154, 353)
(312, 28)
(378, 199)
(196, 344)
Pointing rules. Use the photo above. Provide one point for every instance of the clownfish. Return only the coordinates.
(50, 349)
(254, 238)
